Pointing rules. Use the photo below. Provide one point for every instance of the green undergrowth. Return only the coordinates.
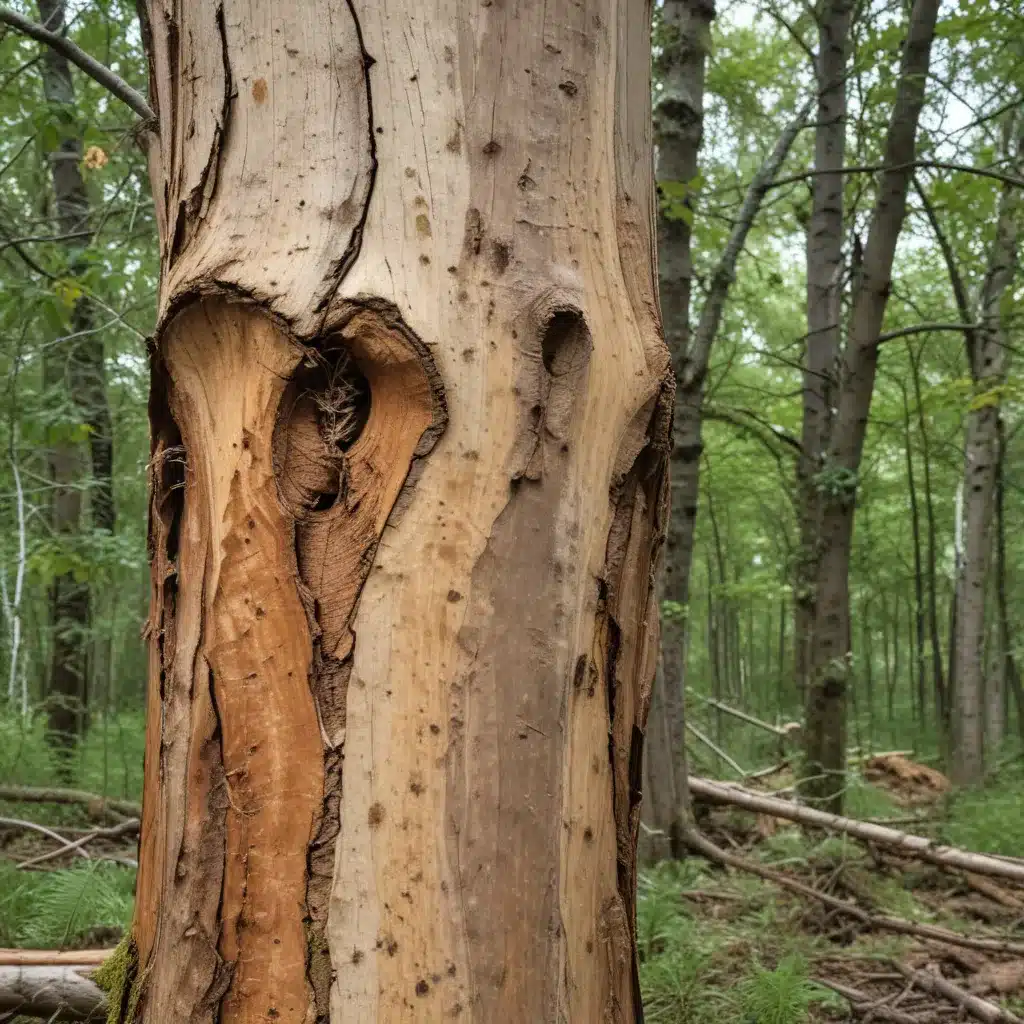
(77, 907)
(714, 953)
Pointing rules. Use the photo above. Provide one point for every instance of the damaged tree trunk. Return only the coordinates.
(410, 413)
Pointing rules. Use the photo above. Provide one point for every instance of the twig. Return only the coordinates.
(129, 827)
(32, 826)
(74, 53)
(716, 749)
(910, 845)
(706, 848)
(981, 1009)
(863, 1004)
(33, 795)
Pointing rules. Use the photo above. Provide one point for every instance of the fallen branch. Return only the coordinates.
(93, 801)
(775, 730)
(706, 848)
(910, 845)
(979, 1008)
(53, 957)
(129, 827)
(54, 993)
(863, 1004)
(32, 826)
(706, 740)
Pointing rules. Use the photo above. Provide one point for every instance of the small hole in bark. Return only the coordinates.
(565, 343)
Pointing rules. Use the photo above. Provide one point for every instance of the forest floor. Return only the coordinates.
(718, 945)
(722, 946)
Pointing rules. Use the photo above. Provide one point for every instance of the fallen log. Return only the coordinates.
(53, 993)
(702, 845)
(53, 957)
(980, 1009)
(914, 846)
(93, 801)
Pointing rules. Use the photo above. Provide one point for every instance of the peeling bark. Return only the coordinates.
(410, 415)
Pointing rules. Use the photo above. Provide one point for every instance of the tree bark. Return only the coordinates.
(73, 370)
(917, 647)
(824, 312)
(679, 126)
(941, 690)
(410, 420)
(1011, 673)
(825, 732)
(988, 360)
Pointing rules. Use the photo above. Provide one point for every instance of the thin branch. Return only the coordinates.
(702, 845)
(92, 67)
(938, 165)
(924, 329)
(706, 740)
(31, 826)
(980, 1009)
(130, 827)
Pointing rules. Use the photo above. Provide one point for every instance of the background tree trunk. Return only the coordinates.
(679, 126)
(74, 372)
(825, 732)
(373, 236)
(987, 354)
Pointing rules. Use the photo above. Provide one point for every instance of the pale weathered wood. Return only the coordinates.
(398, 684)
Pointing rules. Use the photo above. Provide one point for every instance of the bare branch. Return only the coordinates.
(924, 329)
(938, 165)
(92, 67)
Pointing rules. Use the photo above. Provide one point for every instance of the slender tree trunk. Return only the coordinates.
(981, 465)
(1011, 673)
(70, 368)
(824, 313)
(679, 126)
(918, 675)
(940, 689)
(410, 415)
(826, 705)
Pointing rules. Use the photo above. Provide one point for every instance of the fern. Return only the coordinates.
(782, 996)
(57, 908)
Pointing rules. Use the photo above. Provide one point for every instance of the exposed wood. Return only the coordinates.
(399, 680)
(878, 922)
(980, 1009)
(53, 993)
(904, 843)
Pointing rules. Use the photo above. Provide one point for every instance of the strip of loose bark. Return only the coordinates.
(979, 1008)
(863, 1004)
(53, 957)
(911, 845)
(706, 848)
(93, 801)
(53, 993)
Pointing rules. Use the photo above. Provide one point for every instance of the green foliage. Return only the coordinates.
(779, 996)
(57, 909)
(989, 819)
